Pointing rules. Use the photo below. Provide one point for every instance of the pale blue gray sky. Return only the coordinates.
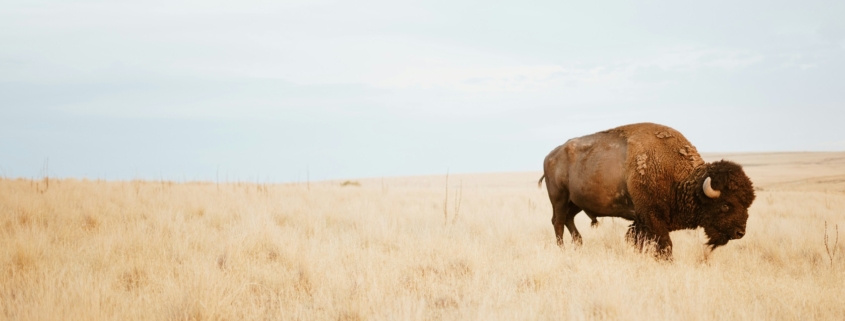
(270, 90)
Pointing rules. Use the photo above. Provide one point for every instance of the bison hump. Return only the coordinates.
(655, 149)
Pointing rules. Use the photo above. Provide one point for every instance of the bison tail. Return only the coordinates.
(540, 182)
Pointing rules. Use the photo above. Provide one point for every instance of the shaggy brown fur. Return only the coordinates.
(649, 174)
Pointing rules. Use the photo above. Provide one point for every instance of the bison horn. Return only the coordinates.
(709, 191)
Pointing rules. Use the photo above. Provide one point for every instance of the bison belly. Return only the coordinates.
(597, 179)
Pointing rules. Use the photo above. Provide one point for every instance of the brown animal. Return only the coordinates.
(649, 174)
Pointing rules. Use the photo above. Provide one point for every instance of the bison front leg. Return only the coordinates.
(645, 237)
(664, 247)
(636, 235)
(661, 237)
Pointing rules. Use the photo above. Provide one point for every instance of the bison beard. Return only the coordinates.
(649, 174)
(716, 239)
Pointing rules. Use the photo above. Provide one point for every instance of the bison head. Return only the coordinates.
(725, 195)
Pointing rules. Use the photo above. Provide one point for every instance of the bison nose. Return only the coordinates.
(739, 234)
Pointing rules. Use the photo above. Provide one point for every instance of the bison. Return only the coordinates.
(651, 175)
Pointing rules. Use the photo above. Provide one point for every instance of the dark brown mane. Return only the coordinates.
(729, 176)
(687, 197)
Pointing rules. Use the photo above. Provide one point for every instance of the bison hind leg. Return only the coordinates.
(570, 224)
(564, 214)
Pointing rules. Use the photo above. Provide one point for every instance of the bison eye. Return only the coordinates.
(725, 208)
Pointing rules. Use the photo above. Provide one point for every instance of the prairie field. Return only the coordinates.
(465, 247)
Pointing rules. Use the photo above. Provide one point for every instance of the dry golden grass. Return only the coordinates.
(89, 250)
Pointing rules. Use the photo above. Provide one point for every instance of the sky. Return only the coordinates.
(285, 91)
